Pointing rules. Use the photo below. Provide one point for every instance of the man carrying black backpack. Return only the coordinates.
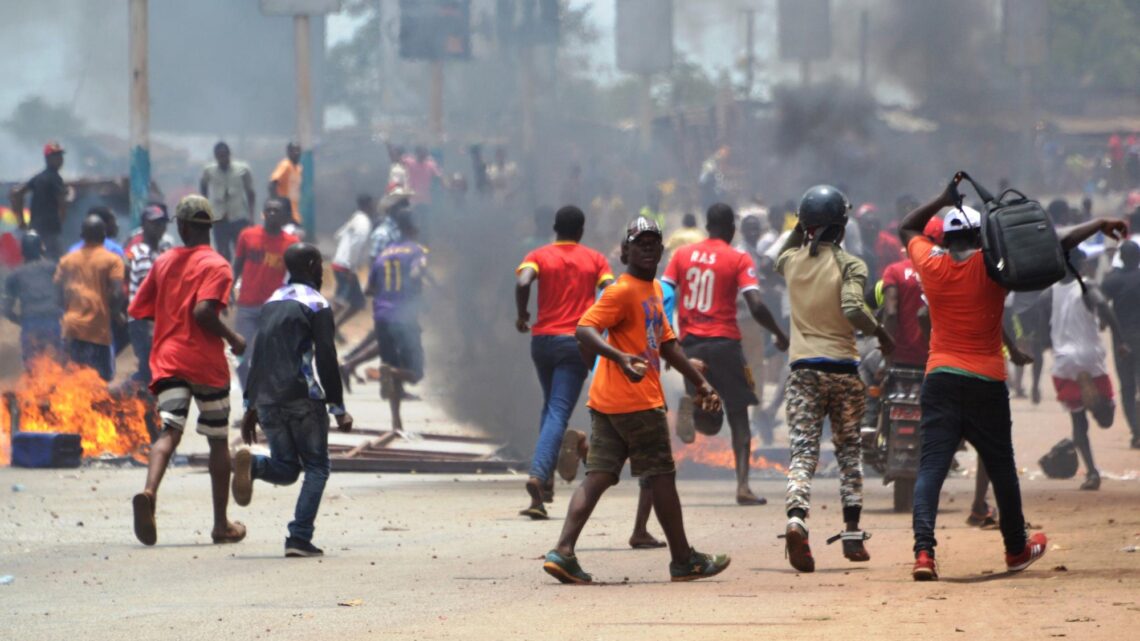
(964, 393)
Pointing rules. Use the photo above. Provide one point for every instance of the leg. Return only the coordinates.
(981, 486)
(581, 506)
(805, 424)
(1084, 448)
(220, 466)
(142, 336)
(641, 538)
(213, 423)
(988, 427)
(667, 505)
(561, 373)
(742, 452)
(847, 405)
(283, 465)
(1126, 365)
(311, 434)
(940, 432)
(173, 405)
(540, 352)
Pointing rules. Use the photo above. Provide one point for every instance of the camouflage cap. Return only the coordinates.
(641, 225)
(195, 208)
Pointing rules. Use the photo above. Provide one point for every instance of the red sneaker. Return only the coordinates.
(924, 567)
(1034, 549)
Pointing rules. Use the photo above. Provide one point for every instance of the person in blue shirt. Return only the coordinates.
(112, 224)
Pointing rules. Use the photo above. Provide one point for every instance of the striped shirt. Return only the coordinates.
(140, 259)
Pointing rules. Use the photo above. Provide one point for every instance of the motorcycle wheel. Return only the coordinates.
(904, 495)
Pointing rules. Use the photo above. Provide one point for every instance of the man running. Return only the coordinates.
(964, 394)
(351, 252)
(296, 328)
(183, 294)
(627, 408)
(396, 283)
(825, 288)
(1122, 287)
(568, 275)
(709, 276)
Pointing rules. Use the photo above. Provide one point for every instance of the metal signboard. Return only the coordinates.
(299, 7)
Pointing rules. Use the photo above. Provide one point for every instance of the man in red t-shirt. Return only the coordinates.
(568, 276)
(259, 261)
(708, 277)
(903, 301)
(183, 294)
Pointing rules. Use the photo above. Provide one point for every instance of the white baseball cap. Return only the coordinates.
(961, 220)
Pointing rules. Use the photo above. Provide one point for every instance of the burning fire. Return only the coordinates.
(716, 451)
(74, 400)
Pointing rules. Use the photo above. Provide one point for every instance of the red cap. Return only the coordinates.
(52, 147)
(933, 229)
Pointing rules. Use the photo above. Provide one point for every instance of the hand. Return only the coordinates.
(344, 422)
(1018, 357)
(249, 426)
(1114, 228)
(950, 196)
(886, 343)
(707, 399)
(522, 323)
(699, 365)
(634, 367)
(237, 345)
(782, 342)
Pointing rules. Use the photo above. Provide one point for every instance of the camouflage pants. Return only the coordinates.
(813, 395)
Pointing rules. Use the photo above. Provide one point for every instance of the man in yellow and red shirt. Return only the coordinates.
(627, 408)
(568, 275)
(709, 276)
(964, 394)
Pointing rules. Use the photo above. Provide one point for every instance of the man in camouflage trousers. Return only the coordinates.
(825, 288)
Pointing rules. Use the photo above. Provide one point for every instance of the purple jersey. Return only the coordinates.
(396, 281)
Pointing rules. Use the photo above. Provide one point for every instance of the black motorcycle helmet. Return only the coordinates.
(823, 212)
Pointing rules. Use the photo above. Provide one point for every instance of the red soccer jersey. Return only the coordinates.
(264, 268)
(911, 347)
(180, 279)
(708, 276)
(568, 276)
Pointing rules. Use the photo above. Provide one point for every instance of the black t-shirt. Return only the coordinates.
(32, 287)
(1122, 287)
(48, 191)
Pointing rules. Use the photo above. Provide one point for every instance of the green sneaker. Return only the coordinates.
(699, 566)
(565, 568)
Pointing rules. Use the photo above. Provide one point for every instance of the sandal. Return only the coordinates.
(146, 530)
(234, 533)
(535, 512)
(570, 455)
(987, 521)
(853, 548)
(647, 544)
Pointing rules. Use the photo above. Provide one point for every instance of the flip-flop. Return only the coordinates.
(535, 512)
(686, 430)
(230, 536)
(242, 485)
(569, 457)
(649, 546)
(145, 528)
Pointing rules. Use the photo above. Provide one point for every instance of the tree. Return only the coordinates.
(1094, 44)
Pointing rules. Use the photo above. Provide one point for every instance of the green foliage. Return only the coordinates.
(1094, 44)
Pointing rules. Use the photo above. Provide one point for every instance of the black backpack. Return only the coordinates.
(1019, 241)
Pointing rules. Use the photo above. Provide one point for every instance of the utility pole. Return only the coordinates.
(305, 121)
(750, 53)
(437, 101)
(140, 110)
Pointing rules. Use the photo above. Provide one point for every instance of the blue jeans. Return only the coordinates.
(561, 372)
(39, 335)
(142, 336)
(245, 324)
(298, 435)
(97, 357)
(956, 407)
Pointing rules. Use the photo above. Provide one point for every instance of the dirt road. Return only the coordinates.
(420, 557)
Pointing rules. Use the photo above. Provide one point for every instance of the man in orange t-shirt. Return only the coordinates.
(90, 282)
(964, 394)
(568, 275)
(627, 408)
(259, 261)
(285, 181)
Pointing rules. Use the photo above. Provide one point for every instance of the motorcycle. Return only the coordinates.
(891, 444)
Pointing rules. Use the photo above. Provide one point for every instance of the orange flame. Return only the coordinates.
(5, 441)
(72, 399)
(715, 451)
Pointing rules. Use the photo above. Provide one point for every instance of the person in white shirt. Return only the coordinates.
(351, 252)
